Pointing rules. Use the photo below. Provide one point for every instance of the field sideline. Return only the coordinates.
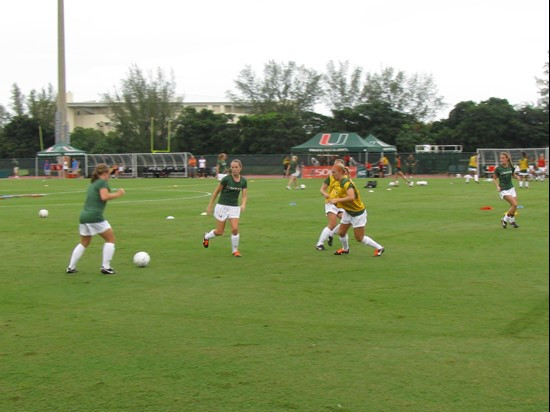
(453, 316)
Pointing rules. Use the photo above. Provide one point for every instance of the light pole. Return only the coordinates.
(61, 126)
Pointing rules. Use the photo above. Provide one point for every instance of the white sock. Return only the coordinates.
(235, 242)
(476, 178)
(526, 184)
(370, 242)
(210, 235)
(335, 230)
(520, 183)
(324, 236)
(468, 177)
(108, 253)
(78, 251)
(345, 242)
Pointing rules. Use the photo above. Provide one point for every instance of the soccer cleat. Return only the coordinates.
(205, 241)
(378, 252)
(71, 270)
(341, 252)
(514, 225)
(330, 239)
(504, 224)
(320, 247)
(107, 271)
(236, 253)
(288, 187)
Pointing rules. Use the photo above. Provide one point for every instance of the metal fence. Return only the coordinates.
(426, 163)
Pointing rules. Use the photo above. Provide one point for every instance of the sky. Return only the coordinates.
(473, 49)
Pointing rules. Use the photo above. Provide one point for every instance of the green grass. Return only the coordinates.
(454, 316)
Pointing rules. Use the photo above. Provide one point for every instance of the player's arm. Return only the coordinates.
(350, 197)
(323, 190)
(213, 198)
(244, 199)
(105, 195)
(495, 179)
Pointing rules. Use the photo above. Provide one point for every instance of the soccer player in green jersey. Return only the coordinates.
(227, 207)
(503, 175)
(92, 221)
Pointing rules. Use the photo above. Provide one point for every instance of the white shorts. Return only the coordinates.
(330, 208)
(472, 170)
(541, 170)
(355, 221)
(524, 172)
(221, 176)
(510, 192)
(223, 212)
(91, 229)
(296, 173)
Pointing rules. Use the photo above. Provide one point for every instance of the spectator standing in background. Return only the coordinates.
(202, 166)
(192, 163)
(47, 168)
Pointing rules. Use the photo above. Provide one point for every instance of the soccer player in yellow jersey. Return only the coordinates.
(472, 169)
(355, 213)
(524, 171)
(329, 190)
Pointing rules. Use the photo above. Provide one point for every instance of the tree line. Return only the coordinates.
(396, 107)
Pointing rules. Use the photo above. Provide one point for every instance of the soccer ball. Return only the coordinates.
(302, 186)
(43, 213)
(142, 259)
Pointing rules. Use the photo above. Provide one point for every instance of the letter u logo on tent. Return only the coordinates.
(325, 140)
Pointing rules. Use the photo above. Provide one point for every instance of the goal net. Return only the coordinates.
(489, 158)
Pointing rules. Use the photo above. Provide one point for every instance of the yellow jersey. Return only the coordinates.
(523, 163)
(473, 162)
(332, 188)
(354, 207)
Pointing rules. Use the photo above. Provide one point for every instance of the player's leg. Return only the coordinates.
(326, 233)
(78, 251)
(343, 232)
(511, 214)
(108, 251)
(235, 236)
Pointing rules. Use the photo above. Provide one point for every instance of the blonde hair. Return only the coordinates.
(508, 157)
(99, 170)
(341, 166)
(294, 158)
(222, 156)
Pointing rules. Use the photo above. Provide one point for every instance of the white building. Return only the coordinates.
(95, 115)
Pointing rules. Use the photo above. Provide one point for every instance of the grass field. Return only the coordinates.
(453, 317)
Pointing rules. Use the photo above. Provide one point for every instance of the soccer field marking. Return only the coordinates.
(80, 202)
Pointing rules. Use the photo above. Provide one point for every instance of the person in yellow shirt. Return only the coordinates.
(524, 171)
(355, 213)
(472, 169)
(329, 190)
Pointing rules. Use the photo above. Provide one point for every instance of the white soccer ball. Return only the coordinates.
(43, 213)
(142, 259)
(302, 186)
(411, 183)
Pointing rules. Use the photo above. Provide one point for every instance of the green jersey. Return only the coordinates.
(229, 196)
(293, 166)
(504, 175)
(222, 166)
(94, 206)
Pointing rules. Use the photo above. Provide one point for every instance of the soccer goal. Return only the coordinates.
(489, 158)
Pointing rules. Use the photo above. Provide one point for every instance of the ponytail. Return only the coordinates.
(99, 170)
